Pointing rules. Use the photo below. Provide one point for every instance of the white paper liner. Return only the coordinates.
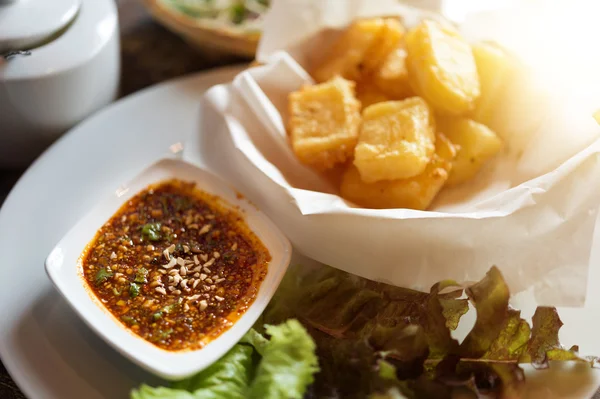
(532, 216)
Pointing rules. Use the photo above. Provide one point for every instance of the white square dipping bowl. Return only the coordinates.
(64, 268)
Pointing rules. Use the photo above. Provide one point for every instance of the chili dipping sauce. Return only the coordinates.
(174, 266)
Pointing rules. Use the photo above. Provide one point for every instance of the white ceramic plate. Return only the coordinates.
(47, 349)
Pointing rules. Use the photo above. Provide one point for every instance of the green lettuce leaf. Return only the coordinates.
(281, 367)
(148, 392)
(257, 340)
(228, 378)
(288, 363)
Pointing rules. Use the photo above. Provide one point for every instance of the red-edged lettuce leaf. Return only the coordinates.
(490, 297)
(453, 309)
(544, 344)
(359, 325)
(512, 339)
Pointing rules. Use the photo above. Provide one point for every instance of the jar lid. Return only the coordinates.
(29, 23)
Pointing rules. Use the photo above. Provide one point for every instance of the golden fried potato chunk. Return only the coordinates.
(494, 67)
(414, 193)
(389, 38)
(348, 52)
(476, 145)
(392, 76)
(396, 140)
(361, 47)
(369, 94)
(324, 122)
(441, 67)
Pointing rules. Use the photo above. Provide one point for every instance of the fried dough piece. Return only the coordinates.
(414, 193)
(324, 122)
(396, 140)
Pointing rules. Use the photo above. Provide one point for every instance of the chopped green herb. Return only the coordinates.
(165, 205)
(178, 248)
(141, 275)
(162, 335)
(170, 308)
(151, 231)
(129, 319)
(182, 203)
(102, 275)
(229, 256)
(157, 316)
(238, 13)
(134, 290)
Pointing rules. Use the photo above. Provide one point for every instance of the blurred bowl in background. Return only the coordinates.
(228, 27)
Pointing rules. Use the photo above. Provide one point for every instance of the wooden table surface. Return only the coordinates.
(149, 54)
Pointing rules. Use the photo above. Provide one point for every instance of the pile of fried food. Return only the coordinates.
(403, 113)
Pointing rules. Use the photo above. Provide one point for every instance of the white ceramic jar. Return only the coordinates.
(72, 70)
